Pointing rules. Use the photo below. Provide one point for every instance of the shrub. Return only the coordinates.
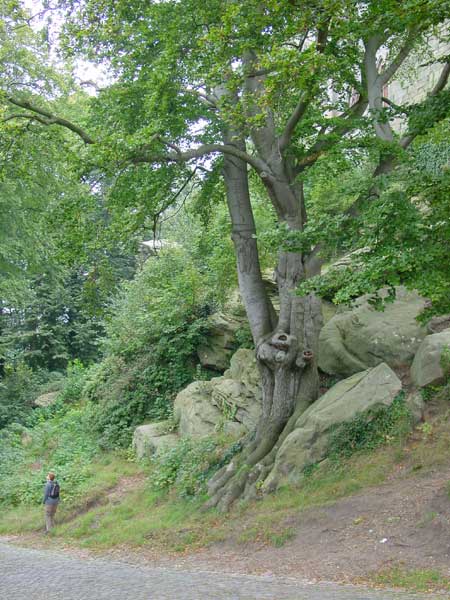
(153, 331)
(445, 361)
(187, 466)
(63, 444)
(124, 395)
(244, 338)
(74, 383)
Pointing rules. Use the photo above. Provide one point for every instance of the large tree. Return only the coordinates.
(56, 271)
(239, 88)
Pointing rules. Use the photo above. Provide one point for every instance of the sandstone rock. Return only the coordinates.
(438, 324)
(243, 368)
(350, 260)
(193, 411)
(308, 443)
(416, 405)
(216, 350)
(427, 368)
(149, 439)
(46, 399)
(234, 305)
(362, 337)
(231, 403)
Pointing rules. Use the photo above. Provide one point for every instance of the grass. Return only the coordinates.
(103, 474)
(170, 524)
(21, 519)
(417, 580)
(160, 519)
(140, 517)
(165, 522)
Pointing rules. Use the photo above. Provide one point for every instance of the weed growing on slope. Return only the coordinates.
(189, 464)
(392, 423)
(418, 580)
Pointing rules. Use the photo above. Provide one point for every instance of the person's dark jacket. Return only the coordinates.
(47, 490)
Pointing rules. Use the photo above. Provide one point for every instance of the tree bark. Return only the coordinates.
(259, 309)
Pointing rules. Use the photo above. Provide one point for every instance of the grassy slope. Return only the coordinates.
(103, 475)
(120, 509)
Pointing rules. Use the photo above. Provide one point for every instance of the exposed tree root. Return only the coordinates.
(244, 475)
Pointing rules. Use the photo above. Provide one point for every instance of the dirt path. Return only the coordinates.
(44, 575)
(404, 522)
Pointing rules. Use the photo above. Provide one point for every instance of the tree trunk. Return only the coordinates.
(286, 347)
(2, 360)
(260, 312)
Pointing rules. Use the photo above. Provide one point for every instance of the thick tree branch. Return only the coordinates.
(148, 155)
(47, 118)
(443, 79)
(206, 99)
(144, 154)
(29, 116)
(327, 140)
(397, 62)
(304, 100)
(388, 163)
(260, 312)
(293, 120)
(383, 129)
(322, 145)
(396, 107)
(263, 134)
(371, 77)
(299, 45)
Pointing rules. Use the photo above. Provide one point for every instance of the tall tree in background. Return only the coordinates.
(233, 87)
(57, 271)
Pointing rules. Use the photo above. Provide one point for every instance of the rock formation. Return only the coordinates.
(362, 344)
(308, 443)
(428, 367)
(151, 438)
(361, 337)
(231, 403)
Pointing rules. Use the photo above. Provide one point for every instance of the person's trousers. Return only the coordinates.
(50, 510)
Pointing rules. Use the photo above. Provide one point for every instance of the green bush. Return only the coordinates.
(124, 395)
(445, 361)
(63, 443)
(187, 466)
(21, 386)
(153, 330)
(72, 389)
(244, 338)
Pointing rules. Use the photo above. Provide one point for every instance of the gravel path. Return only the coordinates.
(35, 574)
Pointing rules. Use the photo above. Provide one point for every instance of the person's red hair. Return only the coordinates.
(51, 476)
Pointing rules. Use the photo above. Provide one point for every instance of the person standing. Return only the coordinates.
(51, 501)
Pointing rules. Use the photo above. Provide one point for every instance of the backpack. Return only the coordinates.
(54, 492)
